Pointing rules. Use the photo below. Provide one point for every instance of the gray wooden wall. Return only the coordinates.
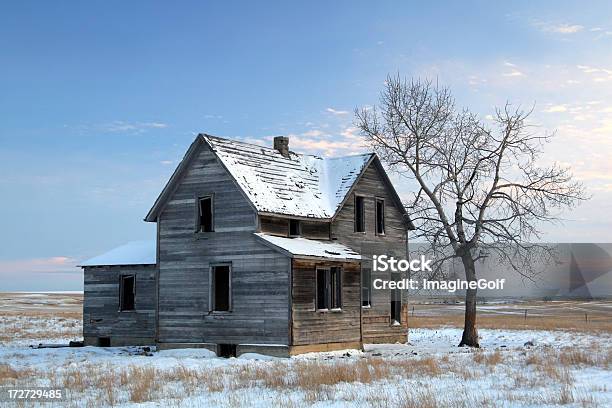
(377, 323)
(101, 315)
(310, 326)
(260, 275)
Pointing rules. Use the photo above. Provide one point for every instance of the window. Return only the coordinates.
(329, 288)
(359, 214)
(294, 228)
(366, 287)
(380, 216)
(396, 301)
(127, 291)
(221, 288)
(205, 214)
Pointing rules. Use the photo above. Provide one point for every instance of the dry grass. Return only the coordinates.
(488, 358)
(143, 381)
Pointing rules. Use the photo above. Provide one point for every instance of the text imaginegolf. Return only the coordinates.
(450, 286)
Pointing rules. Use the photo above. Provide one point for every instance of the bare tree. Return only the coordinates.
(482, 191)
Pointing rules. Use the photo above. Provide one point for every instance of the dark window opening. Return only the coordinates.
(359, 214)
(329, 288)
(205, 214)
(396, 301)
(104, 342)
(127, 292)
(322, 289)
(336, 287)
(226, 350)
(380, 217)
(366, 287)
(294, 228)
(221, 288)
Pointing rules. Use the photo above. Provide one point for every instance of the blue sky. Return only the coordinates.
(99, 101)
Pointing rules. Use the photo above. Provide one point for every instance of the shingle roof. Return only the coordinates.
(299, 185)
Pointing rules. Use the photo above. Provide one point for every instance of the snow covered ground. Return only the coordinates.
(560, 368)
(514, 368)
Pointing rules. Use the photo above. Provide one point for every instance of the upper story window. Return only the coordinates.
(294, 228)
(380, 216)
(359, 214)
(205, 214)
(220, 288)
(329, 288)
(127, 292)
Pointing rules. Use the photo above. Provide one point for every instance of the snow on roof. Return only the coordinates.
(132, 253)
(302, 247)
(300, 185)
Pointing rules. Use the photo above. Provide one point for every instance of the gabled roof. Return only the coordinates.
(132, 253)
(309, 248)
(299, 185)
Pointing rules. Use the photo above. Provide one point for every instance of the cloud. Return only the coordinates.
(513, 73)
(166, 162)
(562, 28)
(312, 133)
(55, 264)
(555, 108)
(337, 112)
(120, 126)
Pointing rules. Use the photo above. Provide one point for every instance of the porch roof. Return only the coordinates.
(309, 248)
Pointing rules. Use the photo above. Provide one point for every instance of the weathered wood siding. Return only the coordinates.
(310, 326)
(376, 319)
(260, 276)
(101, 315)
(280, 226)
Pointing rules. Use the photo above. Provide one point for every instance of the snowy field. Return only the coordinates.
(528, 368)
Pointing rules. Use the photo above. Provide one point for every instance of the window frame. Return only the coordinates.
(396, 302)
(332, 292)
(363, 213)
(377, 201)
(211, 288)
(299, 227)
(122, 278)
(198, 212)
(366, 285)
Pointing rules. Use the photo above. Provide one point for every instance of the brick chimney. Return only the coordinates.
(281, 143)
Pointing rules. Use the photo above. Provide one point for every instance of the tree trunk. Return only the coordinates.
(470, 334)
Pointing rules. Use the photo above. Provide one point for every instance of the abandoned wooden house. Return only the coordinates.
(258, 250)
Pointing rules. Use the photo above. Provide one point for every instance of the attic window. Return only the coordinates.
(205, 214)
(359, 214)
(127, 291)
(380, 216)
(294, 228)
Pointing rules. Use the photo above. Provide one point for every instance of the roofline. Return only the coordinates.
(202, 138)
(410, 226)
(172, 182)
(110, 265)
(374, 159)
